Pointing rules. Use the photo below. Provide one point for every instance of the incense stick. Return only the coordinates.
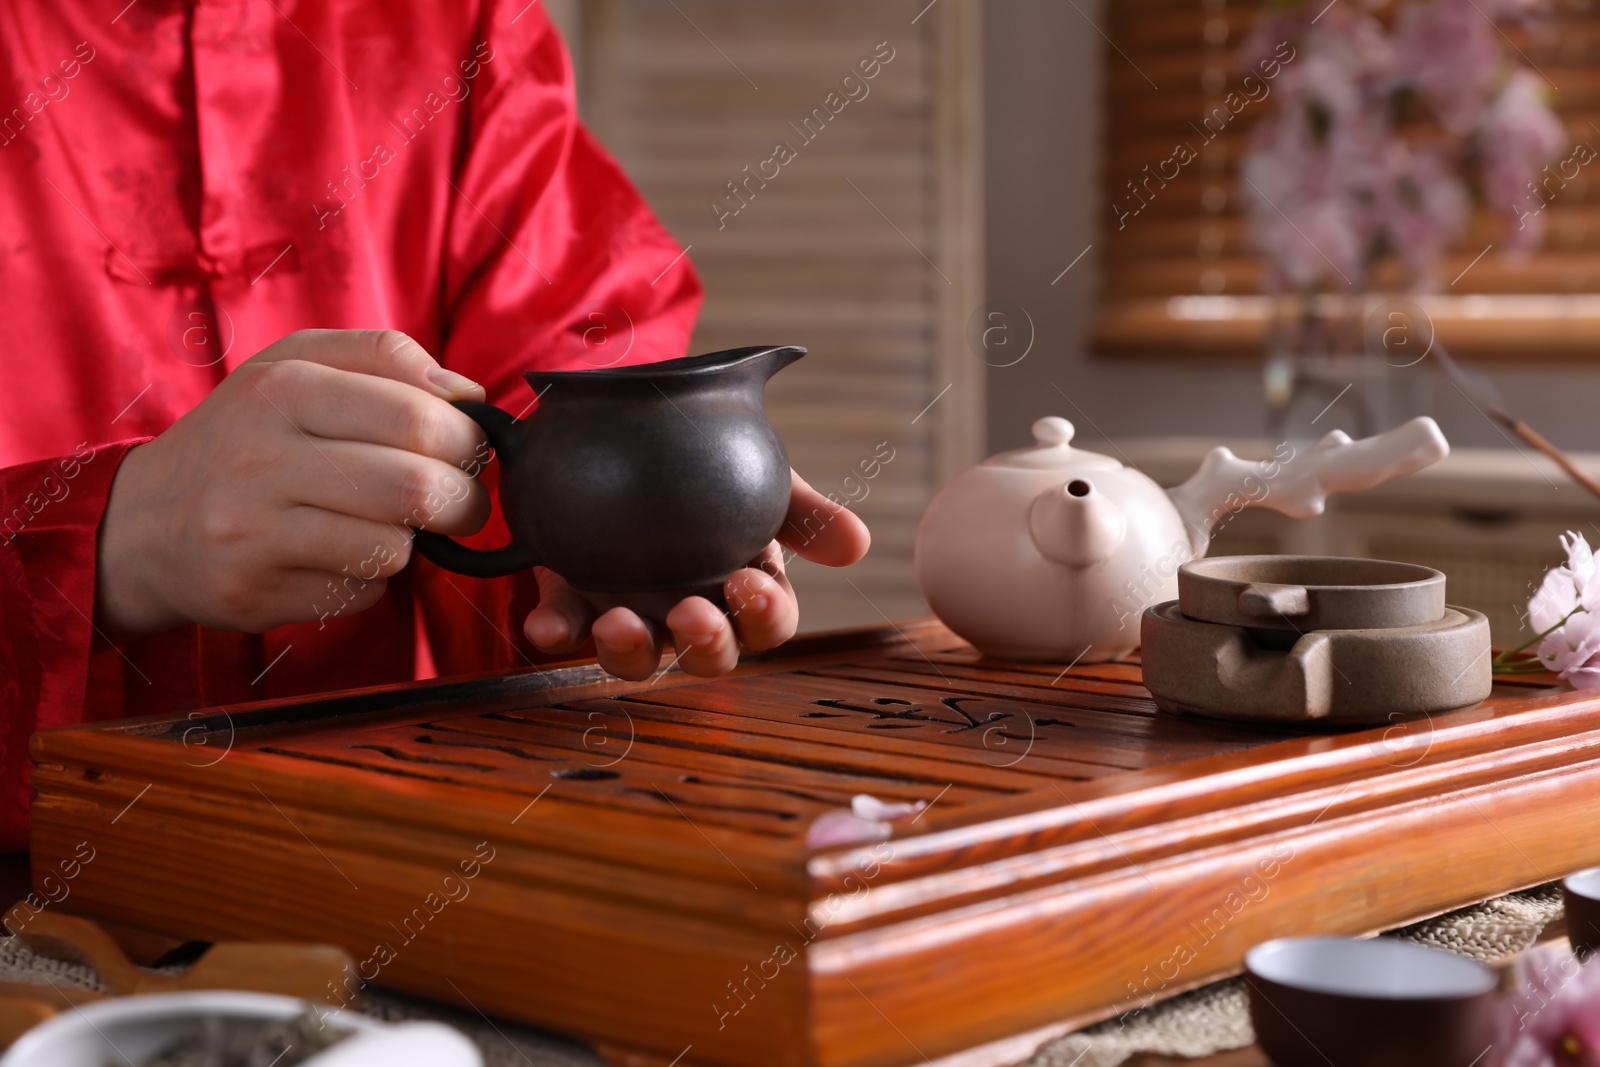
(1512, 423)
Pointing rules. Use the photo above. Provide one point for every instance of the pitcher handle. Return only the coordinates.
(451, 554)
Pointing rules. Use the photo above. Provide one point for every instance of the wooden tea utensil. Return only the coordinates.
(18, 1015)
(308, 971)
(54, 995)
(24, 1005)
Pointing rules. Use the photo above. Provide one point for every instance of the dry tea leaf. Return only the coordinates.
(223, 1042)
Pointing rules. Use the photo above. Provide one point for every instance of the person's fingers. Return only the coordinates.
(309, 538)
(703, 637)
(561, 622)
(763, 605)
(329, 403)
(385, 485)
(384, 353)
(627, 645)
(764, 611)
(820, 530)
(260, 600)
(329, 596)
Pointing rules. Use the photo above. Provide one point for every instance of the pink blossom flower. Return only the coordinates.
(1567, 603)
(867, 819)
(1424, 206)
(1329, 182)
(1553, 1018)
(1449, 53)
(1498, 10)
(1519, 133)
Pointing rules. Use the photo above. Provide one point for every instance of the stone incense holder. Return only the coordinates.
(1292, 638)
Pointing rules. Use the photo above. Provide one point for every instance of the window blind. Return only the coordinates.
(1179, 275)
(821, 164)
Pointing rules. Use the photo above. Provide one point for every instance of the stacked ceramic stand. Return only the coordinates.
(1290, 638)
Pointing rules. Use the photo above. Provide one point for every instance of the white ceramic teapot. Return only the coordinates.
(1053, 553)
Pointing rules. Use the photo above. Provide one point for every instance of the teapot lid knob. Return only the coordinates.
(1053, 430)
(1053, 451)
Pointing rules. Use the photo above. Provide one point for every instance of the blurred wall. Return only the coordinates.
(868, 248)
(1042, 62)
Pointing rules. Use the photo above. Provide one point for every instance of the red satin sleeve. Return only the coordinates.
(49, 521)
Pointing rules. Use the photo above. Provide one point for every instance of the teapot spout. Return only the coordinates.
(1076, 524)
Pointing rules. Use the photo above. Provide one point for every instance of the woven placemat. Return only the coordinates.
(1202, 1022)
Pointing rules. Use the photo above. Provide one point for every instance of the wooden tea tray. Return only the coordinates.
(639, 873)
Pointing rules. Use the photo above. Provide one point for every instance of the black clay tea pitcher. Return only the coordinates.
(649, 478)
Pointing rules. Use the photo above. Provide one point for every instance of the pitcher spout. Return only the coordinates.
(761, 360)
(757, 362)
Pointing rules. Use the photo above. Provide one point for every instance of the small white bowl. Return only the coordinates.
(128, 1029)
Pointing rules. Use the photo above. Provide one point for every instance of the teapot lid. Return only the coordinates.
(1053, 451)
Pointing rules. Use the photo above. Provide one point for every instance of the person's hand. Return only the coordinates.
(763, 612)
(286, 494)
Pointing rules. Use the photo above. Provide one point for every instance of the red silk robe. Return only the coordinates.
(182, 184)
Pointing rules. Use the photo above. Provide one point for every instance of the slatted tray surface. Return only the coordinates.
(628, 862)
(769, 753)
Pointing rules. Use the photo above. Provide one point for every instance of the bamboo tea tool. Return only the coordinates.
(309, 971)
(18, 1015)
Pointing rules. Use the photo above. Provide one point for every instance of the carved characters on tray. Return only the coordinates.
(1009, 733)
